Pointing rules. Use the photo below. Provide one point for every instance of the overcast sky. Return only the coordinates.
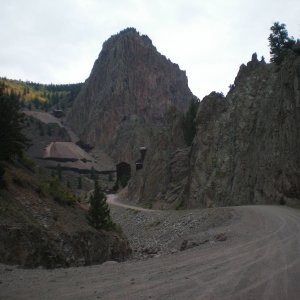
(57, 41)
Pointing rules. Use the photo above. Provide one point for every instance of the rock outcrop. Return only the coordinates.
(246, 148)
(126, 97)
(162, 180)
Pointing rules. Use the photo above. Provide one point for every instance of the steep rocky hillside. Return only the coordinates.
(42, 225)
(161, 182)
(126, 97)
(246, 148)
(247, 145)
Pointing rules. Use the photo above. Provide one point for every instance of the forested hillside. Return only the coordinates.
(42, 96)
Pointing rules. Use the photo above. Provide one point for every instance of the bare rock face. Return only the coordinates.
(130, 89)
(246, 149)
(162, 180)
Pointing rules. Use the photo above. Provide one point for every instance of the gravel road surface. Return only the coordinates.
(257, 257)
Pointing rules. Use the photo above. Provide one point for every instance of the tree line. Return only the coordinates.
(43, 96)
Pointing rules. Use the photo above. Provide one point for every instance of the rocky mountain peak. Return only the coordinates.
(130, 89)
(127, 34)
(254, 65)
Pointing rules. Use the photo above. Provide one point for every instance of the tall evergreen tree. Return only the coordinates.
(93, 174)
(279, 42)
(12, 140)
(99, 214)
(79, 183)
(189, 122)
(59, 172)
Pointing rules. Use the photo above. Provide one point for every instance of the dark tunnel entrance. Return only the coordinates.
(123, 174)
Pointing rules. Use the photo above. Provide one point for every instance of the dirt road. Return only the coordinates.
(112, 199)
(260, 261)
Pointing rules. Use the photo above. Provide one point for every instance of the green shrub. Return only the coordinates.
(282, 201)
(180, 205)
(54, 187)
(28, 163)
(117, 227)
(60, 193)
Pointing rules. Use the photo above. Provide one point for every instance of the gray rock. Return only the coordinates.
(129, 91)
(246, 147)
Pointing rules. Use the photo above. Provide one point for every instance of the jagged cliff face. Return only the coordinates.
(130, 89)
(247, 145)
(161, 182)
(246, 148)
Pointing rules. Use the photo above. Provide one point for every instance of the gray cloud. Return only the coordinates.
(57, 41)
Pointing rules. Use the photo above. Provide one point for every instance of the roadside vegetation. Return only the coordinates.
(99, 213)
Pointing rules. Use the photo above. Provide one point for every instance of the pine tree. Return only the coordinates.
(99, 214)
(12, 140)
(189, 122)
(93, 174)
(279, 42)
(59, 172)
(79, 184)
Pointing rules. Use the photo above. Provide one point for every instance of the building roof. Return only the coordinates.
(67, 151)
(72, 157)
